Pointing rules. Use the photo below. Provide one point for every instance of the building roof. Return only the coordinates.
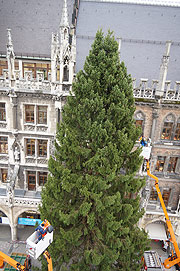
(144, 30)
(172, 3)
(32, 23)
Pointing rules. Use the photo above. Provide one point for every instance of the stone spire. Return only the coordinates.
(163, 71)
(10, 54)
(64, 27)
(64, 17)
(54, 56)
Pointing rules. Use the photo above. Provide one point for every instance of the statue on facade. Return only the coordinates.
(10, 187)
(16, 155)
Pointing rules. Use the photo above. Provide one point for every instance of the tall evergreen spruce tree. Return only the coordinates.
(88, 196)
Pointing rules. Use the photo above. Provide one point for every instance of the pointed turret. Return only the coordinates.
(10, 54)
(64, 19)
(54, 56)
(163, 71)
(64, 25)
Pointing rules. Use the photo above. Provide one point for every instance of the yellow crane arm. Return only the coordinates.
(49, 260)
(12, 262)
(171, 261)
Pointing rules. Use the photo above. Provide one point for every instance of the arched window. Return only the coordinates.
(177, 131)
(66, 69)
(66, 74)
(140, 120)
(168, 127)
(65, 33)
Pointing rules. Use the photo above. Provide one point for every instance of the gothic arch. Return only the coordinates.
(139, 115)
(170, 117)
(177, 130)
(155, 220)
(5, 212)
(23, 210)
(168, 127)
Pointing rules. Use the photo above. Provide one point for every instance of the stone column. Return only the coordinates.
(21, 69)
(166, 164)
(14, 112)
(14, 232)
(177, 169)
(155, 116)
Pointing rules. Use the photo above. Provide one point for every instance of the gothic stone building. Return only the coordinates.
(35, 81)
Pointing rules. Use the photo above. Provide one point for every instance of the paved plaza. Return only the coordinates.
(8, 247)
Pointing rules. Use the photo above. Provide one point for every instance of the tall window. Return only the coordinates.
(2, 112)
(139, 120)
(160, 163)
(29, 113)
(4, 174)
(42, 114)
(34, 67)
(42, 178)
(3, 66)
(172, 164)
(166, 195)
(31, 178)
(153, 195)
(42, 148)
(66, 74)
(3, 144)
(43, 67)
(167, 130)
(30, 147)
(168, 127)
(177, 132)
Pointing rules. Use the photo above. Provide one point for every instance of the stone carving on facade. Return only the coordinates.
(10, 186)
(148, 93)
(170, 118)
(17, 154)
(155, 114)
(5, 75)
(52, 147)
(4, 158)
(3, 125)
(42, 161)
(40, 76)
(30, 160)
(28, 75)
(27, 202)
(139, 116)
(17, 74)
(29, 128)
(41, 128)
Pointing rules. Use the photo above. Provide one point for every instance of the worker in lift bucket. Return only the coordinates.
(41, 231)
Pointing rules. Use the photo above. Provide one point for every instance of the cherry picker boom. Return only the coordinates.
(36, 245)
(174, 259)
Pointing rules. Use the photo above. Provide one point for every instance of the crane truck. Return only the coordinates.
(36, 245)
(174, 258)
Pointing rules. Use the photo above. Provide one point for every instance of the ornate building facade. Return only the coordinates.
(32, 94)
(34, 87)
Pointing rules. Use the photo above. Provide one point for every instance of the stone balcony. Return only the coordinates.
(144, 90)
(21, 198)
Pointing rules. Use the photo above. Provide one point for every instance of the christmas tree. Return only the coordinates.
(92, 194)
